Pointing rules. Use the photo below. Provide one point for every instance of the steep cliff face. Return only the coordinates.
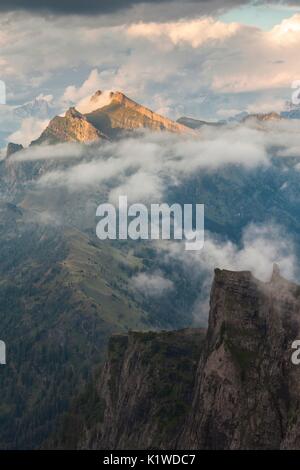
(243, 395)
(142, 396)
(247, 389)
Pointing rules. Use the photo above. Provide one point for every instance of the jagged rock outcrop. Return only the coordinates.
(13, 148)
(246, 392)
(73, 127)
(247, 389)
(39, 108)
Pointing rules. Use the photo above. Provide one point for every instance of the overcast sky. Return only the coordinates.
(88, 7)
(205, 58)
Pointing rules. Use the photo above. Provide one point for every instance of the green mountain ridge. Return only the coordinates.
(61, 298)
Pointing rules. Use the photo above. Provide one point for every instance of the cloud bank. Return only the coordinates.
(143, 165)
(194, 66)
(152, 285)
(30, 130)
(91, 7)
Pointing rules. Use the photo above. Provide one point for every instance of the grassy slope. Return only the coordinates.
(61, 297)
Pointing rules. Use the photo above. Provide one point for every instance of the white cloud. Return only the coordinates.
(73, 94)
(81, 96)
(7, 119)
(67, 151)
(168, 66)
(227, 113)
(141, 187)
(152, 285)
(81, 176)
(48, 98)
(262, 60)
(30, 130)
(193, 32)
(261, 247)
(266, 106)
(88, 104)
(143, 165)
(287, 32)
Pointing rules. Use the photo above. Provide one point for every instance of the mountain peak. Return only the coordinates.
(13, 148)
(263, 117)
(73, 127)
(121, 98)
(121, 113)
(112, 95)
(73, 113)
(106, 114)
(193, 123)
(96, 95)
(276, 272)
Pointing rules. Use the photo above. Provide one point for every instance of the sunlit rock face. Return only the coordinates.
(105, 115)
(73, 127)
(125, 113)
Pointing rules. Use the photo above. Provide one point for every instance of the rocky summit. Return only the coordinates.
(13, 148)
(124, 113)
(115, 115)
(232, 387)
(73, 127)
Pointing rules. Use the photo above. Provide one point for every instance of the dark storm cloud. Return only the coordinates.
(88, 7)
(165, 8)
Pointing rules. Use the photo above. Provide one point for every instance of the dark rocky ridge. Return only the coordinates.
(13, 148)
(196, 123)
(244, 393)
